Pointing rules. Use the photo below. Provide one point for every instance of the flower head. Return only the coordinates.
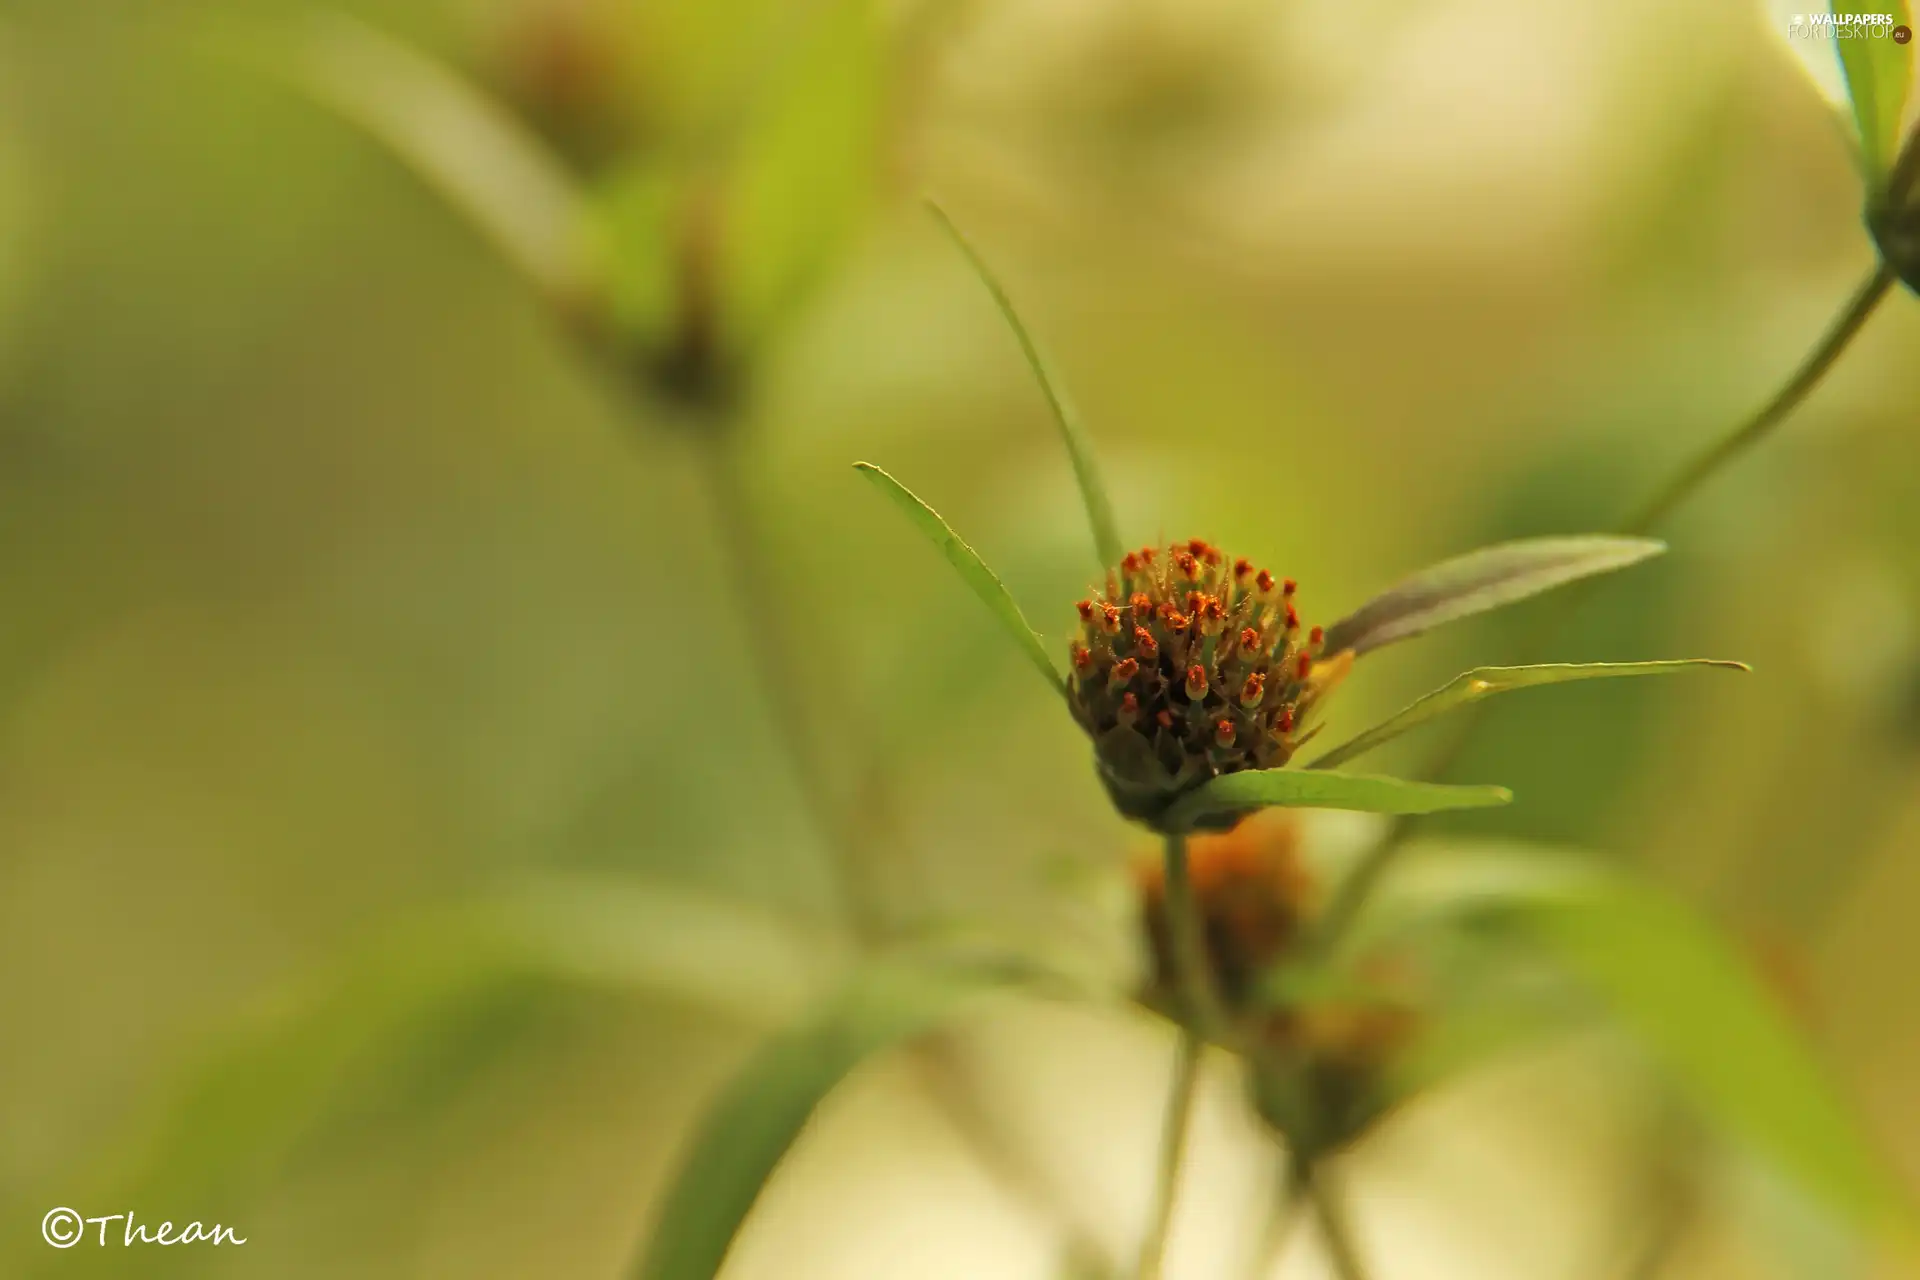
(1188, 665)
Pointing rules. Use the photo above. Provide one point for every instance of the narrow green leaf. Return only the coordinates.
(1106, 533)
(1479, 581)
(967, 562)
(1484, 682)
(483, 160)
(1323, 789)
(1879, 74)
(1683, 989)
(750, 1127)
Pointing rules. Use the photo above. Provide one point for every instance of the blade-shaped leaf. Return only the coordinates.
(1479, 581)
(1324, 789)
(485, 162)
(749, 1128)
(356, 1033)
(1106, 534)
(1879, 74)
(1684, 990)
(1484, 682)
(967, 562)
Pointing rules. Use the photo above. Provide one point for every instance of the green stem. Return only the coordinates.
(1175, 1126)
(1710, 461)
(1201, 1017)
(1200, 1007)
(1335, 1229)
(775, 654)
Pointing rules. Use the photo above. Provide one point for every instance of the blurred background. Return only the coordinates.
(348, 584)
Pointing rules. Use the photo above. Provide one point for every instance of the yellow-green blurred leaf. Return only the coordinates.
(1879, 73)
(750, 1127)
(486, 163)
(1683, 989)
(276, 1074)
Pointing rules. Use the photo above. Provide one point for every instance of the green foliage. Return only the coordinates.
(1086, 471)
(1879, 74)
(749, 1129)
(1483, 682)
(325, 1046)
(790, 168)
(1481, 580)
(487, 164)
(1682, 988)
(971, 568)
(1251, 789)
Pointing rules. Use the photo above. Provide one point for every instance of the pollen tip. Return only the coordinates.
(1316, 635)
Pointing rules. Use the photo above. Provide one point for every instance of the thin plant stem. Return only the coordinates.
(1335, 1230)
(1187, 931)
(1174, 1129)
(1282, 1213)
(1200, 1017)
(1355, 890)
(775, 654)
(1715, 458)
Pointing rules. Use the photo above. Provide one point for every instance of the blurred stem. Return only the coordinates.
(1358, 886)
(1193, 974)
(1200, 1017)
(775, 655)
(1335, 1229)
(1288, 1199)
(1174, 1128)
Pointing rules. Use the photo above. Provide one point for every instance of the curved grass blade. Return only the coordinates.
(485, 162)
(1106, 534)
(1483, 682)
(1479, 581)
(1322, 789)
(1684, 989)
(967, 562)
(750, 1127)
(1879, 75)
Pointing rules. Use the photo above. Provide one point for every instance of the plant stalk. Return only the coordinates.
(782, 679)
(1175, 1126)
(1712, 460)
(1201, 1017)
(1335, 1229)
